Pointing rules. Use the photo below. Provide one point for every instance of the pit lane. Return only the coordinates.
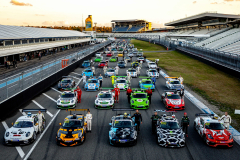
(96, 145)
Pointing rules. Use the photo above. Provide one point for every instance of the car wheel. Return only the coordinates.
(3, 142)
(205, 139)
(34, 137)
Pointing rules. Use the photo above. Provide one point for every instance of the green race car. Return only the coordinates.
(139, 100)
(113, 59)
(98, 59)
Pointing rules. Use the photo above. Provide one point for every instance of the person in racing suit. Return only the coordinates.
(105, 70)
(155, 118)
(129, 91)
(79, 94)
(100, 78)
(154, 80)
(113, 79)
(117, 93)
(84, 78)
(93, 70)
(129, 79)
(141, 62)
(149, 93)
(138, 119)
(138, 70)
(40, 120)
(185, 123)
(89, 121)
(180, 79)
(226, 120)
(116, 70)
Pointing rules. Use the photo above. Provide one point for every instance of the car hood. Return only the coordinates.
(169, 133)
(21, 132)
(219, 134)
(175, 101)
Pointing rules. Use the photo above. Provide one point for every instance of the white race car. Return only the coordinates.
(130, 54)
(105, 99)
(110, 72)
(132, 72)
(67, 100)
(152, 72)
(24, 130)
(98, 54)
(121, 83)
(173, 83)
(151, 65)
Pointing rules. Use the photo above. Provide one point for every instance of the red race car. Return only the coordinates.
(102, 64)
(109, 54)
(212, 131)
(172, 100)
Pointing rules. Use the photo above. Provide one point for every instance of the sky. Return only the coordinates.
(69, 12)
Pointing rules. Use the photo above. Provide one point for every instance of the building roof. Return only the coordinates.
(202, 17)
(129, 20)
(16, 32)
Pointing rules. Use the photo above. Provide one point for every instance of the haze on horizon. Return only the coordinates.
(69, 12)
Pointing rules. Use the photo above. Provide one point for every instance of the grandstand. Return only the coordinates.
(16, 41)
(130, 26)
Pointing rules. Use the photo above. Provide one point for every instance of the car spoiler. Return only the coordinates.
(79, 110)
(34, 110)
(123, 109)
(203, 114)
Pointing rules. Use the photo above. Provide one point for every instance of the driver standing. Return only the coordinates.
(40, 120)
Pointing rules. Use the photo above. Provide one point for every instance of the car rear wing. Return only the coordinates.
(79, 110)
(123, 109)
(166, 111)
(204, 115)
(34, 110)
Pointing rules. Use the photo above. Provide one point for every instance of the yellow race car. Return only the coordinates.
(73, 131)
(120, 54)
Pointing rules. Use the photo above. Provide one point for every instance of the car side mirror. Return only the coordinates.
(147, 96)
(60, 124)
(96, 96)
(12, 124)
(110, 124)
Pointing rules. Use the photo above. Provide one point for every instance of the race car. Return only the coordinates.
(73, 130)
(125, 51)
(88, 72)
(121, 64)
(169, 133)
(98, 59)
(105, 100)
(151, 65)
(139, 100)
(140, 53)
(134, 64)
(152, 72)
(65, 83)
(121, 82)
(85, 64)
(107, 50)
(68, 99)
(113, 59)
(109, 54)
(92, 85)
(146, 83)
(102, 64)
(132, 72)
(141, 59)
(173, 83)
(127, 58)
(130, 54)
(123, 129)
(135, 51)
(114, 51)
(98, 54)
(24, 131)
(110, 72)
(172, 101)
(212, 131)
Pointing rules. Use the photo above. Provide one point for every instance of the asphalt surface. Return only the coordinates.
(96, 145)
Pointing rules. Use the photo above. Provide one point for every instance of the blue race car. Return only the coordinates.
(121, 64)
(85, 64)
(88, 72)
(146, 83)
(92, 85)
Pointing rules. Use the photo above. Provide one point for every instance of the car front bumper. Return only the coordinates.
(17, 142)
(175, 107)
(140, 106)
(214, 143)
(65, 106)
(123, 141)
(68, 143)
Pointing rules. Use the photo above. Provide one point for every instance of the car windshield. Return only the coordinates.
(104, 95)
(122, 124)
(121, 81)
(141, 58)
(86, 62)
(151, 63)
(23, 124)
(173, 96)
(66, 81)
(127, 58)
(88, 70)
(120, 62)
(214, 126)
(146, 82)
(92, 81)
(175, 82)
(67, 95)
(131, 70)
(113, 57)
(169, 125)
(98, 58)
(70, 123)
(152, 71)
(139, 95)
(103, 62)
(111, 70)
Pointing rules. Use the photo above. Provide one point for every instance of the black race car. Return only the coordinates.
(65, 83)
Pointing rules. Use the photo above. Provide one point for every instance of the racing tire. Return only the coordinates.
(205, 139)
(3, 142)
(34, 137)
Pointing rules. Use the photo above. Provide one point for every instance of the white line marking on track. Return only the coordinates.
(38, 140)
(78, 83)
(19, 149)
(76, 73)
(50, 114)
(22, 112)
(56, 90)
(49, 97)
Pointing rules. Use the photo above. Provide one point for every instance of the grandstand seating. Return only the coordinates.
(120, 29)
(135, 28)
(232, 48)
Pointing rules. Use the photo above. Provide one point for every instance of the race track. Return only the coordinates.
(96, 145)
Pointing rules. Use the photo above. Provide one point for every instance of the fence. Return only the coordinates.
(13, 85)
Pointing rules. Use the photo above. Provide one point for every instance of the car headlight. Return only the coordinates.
(112, 134)
(182, 136)
(210, 136)
(85, 86)
(58, 101)
(27, 134)
(72, 101)
(96, 101)
(111, 101)
(169, 102)
(7, 134)
(132, 101)
(230, 137)
(183, 102)
(146, 102)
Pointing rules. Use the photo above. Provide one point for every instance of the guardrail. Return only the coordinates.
(13, 85)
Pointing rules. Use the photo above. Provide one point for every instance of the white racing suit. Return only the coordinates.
(181, 80)
(93, 69)
(138, 70)
(89, 122)
(40, 120)
(84, 78)
(126, 62)
(116, 70)
(104, 70)
(129, 80)
(226, 121)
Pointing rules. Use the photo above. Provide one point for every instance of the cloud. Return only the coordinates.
(229, 0)
(214, 3)
(194, 2)
(25, 23)
(58, 23)
(15, 2)
(39, 15)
